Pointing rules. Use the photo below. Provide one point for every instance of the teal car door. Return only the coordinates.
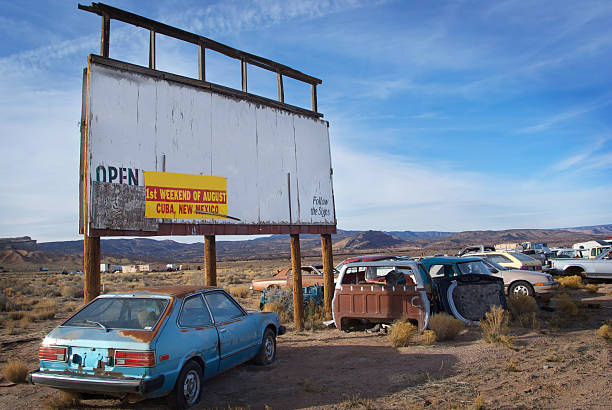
(238, 332)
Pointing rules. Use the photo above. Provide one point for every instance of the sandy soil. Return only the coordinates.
(547, 368)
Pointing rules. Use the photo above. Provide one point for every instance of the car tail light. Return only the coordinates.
(136, 359)
(54, 354)
(538, 268)
(524, 268)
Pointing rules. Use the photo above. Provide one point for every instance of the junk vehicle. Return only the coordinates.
(464, 287)
(537, 284)
(284, 279)
(154, 342)
(598, 268)
(593, 248)
(284, 297)
(515, 260)
(360, 298)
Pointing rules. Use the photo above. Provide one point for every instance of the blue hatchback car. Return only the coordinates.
(155, 342)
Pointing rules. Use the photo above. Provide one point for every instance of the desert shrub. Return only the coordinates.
(314, 316)
(16, 315)
(357, 402)
(25, 320)
(15, 371)
(73, 292)
(591, 288)
(428, 337)
(445, 326)
(523, 310)
(495, 326)
(284, 315)
(605, 332)
(571, 282)
(239, 291)
(45, 309)
(65, 400)
(479, 403)
(9, 327)
(402, 333)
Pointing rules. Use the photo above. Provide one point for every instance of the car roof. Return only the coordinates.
(382, 263)
(179, 291)
(367, 258)
(441, 260)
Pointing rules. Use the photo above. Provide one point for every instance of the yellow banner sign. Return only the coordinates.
(184, 196)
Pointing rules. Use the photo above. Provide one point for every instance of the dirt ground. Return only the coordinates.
(555, 365)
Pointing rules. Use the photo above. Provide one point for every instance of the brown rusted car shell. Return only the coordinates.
(284, 279)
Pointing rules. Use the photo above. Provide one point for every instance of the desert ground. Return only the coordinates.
(557, 360)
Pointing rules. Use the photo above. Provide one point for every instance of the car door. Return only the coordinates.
(197, 333)
(238, 332)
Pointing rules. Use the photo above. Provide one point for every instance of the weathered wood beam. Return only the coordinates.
(298, 296)
(210, 260)
(328, 274)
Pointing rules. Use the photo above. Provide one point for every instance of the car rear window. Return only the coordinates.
(523, 258)
(120, 313)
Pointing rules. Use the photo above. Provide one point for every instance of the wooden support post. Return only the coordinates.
(91, 282)
(298, 296)
(328, 273)
(243, 71)
(313, 96)
(281, 89)
(210, 260)
(152, 49)
(105, 36)
(201, 62)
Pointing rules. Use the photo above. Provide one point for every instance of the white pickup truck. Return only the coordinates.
(598, 268)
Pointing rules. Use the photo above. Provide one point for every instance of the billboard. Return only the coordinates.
(169, 155)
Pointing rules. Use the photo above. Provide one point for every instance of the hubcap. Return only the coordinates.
(521, 290)
(191, 387)
(269, 348)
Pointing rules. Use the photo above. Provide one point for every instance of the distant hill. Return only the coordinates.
(70, 253)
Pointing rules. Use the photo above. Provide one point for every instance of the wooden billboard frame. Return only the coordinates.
(92, 236)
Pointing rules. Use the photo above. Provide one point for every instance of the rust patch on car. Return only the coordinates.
(146, 336)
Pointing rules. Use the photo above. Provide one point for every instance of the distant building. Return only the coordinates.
(594, 247)
(129, 268)
(22, 243)
(144, 268)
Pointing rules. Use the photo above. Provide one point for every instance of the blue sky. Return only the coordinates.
(449, 115)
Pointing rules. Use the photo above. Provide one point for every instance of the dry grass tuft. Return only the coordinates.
(15, 371)
(479, 403)
(357, 402)
(605, 332)
(445, 326)
(513, 366)
(571, 282)
(428, 337)
(9, 327)
(591, 288)
(239, 291)
(402, 333)
(73, 292)
(284, 315)
(65, 400)
(524, 310)
(495, 327)
(314, 316)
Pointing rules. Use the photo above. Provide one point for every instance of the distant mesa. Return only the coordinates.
(21, 243)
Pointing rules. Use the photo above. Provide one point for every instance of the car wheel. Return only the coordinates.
(188, 389)
(267, 351)
(521, 288)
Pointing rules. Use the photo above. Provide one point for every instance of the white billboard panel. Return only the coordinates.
(154, 144)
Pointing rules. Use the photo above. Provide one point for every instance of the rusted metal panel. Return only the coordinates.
(119, 205)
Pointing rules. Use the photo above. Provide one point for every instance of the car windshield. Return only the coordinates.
(120, 313)
(605, 255)
(473, 267)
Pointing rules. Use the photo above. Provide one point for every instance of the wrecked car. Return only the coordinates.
(361, 297)
(154, 342)
(464, 287)
(537, 284)
(284, 279)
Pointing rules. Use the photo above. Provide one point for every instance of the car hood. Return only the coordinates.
(531, 276)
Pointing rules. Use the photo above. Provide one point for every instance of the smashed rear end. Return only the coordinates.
(107, 347)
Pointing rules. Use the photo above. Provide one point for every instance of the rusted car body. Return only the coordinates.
(154, 342)
(284, 279)
(360, 297)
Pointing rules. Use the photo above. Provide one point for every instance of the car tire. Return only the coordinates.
(521, 288)
(267, 351)
(188, 389)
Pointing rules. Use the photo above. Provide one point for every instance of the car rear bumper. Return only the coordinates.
(95, 384)
(546, 288)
